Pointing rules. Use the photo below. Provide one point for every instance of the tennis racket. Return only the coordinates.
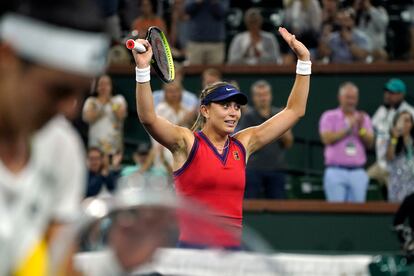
(162, 59)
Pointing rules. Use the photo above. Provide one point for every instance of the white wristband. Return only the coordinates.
(304, 67)
(143, 75)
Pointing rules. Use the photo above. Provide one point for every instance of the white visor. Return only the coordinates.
(58, 47)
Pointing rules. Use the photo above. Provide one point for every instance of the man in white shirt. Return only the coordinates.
(394, 93)
(254, 46)
(188, 99)
(47, 59)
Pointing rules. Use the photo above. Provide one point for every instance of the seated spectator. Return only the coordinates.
(394, 94)
(346, 133)
(254, 46)
(210, 76)
(145, 171)
(373, 21)
(143, 161)
(400, 157)
(189, 100)
(304, 19)
(207, 31)
(346, 45)
(105, 115)
(147, 18)
(112, 21)
(265, 179)
(128, 11)
(103, 172)
(179, 30)
(172, 110)
(329, 12)
(329, 23)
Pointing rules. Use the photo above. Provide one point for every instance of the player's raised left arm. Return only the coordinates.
(256, 137)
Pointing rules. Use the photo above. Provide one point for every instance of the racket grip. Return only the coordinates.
(133, 45)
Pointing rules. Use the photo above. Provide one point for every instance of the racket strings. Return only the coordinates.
(164, 64)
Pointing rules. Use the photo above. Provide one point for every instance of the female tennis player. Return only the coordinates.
(209, 164)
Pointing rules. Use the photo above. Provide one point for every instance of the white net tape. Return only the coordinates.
(212, 262)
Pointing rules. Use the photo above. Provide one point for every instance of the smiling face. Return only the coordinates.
(348, 98)
(222, 116)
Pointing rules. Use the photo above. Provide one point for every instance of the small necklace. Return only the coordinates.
(210, 142)
(226, 145)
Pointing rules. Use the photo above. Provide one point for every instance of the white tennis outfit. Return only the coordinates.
(49, 188)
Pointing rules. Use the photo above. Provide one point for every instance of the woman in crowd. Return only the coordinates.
(400, 157)
(105, 115)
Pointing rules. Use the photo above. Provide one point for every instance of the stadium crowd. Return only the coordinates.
(216, 32)
(347, 133)
(213, 32)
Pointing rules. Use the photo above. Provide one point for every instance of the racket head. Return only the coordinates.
(162, 60)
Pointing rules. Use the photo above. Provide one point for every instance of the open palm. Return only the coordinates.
(300, 50)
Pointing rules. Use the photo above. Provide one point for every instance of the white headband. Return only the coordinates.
(62, 48)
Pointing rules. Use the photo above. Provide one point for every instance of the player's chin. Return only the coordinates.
(229, 128)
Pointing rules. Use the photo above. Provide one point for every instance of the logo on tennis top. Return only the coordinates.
(229, 89)
(236, 155)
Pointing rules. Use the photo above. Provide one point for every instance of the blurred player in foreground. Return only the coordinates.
(209, 165)
(49, 51)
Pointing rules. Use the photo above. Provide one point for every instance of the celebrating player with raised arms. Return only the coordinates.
(209, 161)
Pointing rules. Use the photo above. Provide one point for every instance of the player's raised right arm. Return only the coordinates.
(166, 133)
